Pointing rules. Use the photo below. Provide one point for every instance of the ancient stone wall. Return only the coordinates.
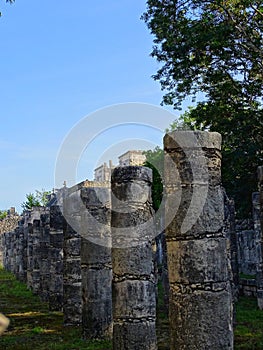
(29, 253)
(247, 247)
(7, 224)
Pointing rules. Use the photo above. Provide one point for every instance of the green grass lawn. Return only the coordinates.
(249, 327)
(33, 326)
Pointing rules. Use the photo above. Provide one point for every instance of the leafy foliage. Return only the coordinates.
(215, 48)
(154, 160)
(3, 214)
(37, 199)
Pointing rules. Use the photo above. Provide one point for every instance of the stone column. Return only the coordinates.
(96, 265)
(45, 273)
(36, 234)
(19, 252)
(230, 230)
(200, 309)
(72, 305)
(28, 229)
(1, 249)
(6, 245)
(259, 228)
(55, 256)
(23, 240)
(134, 303)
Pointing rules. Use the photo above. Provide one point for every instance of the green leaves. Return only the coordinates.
(216, 48)
(3, 214)
(37, 199)
(200, 42)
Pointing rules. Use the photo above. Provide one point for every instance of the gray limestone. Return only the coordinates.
(54, 239)
(134, 303)
(200, 291)
(96, 267)
(258, 213)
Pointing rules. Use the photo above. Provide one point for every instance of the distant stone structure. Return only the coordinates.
(103, 172)
(9, 223)
(134, 158)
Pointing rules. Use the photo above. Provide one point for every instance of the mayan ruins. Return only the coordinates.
(92, 251)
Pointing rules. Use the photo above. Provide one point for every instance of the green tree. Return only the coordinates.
(155, 161)
(37, 199)
(216, 48)
(3, 214)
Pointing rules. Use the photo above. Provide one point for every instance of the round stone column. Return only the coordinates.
(134, 304)
(259, 228)
(200, 306)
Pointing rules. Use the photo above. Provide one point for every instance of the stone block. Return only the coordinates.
(135, 336)
(133, 261)
(134, 299)
(202, 320)
(195, 212)
(197, 261)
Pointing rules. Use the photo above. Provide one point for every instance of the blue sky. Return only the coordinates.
(60, 62)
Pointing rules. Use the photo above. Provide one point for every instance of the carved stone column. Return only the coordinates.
(259, 229)
(200, 292)
(96, 268)
(134, 304)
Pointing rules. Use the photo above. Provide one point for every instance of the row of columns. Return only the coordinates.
(33, 252)
(108, 275)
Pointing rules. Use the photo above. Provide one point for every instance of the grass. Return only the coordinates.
(249, 328)
(33, 326)
(247, 277)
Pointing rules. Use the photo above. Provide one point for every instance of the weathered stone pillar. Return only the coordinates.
(1, 249)
(6, 247)
(72, 304)
(96, 265)
(19, 250)
(45, 273)
(200, 307)
(55, 256)
(229, 228)
(134, 303)
(36, 234)
(28, 229)
(23, 251)
(259, 229)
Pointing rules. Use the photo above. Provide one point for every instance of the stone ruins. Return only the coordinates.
(96, 250)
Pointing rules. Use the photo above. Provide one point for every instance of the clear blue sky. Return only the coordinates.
(61, 61)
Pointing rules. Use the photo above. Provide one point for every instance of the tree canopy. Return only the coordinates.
(3, 214)
(37, 199)
(155, 161)
(214, 49)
